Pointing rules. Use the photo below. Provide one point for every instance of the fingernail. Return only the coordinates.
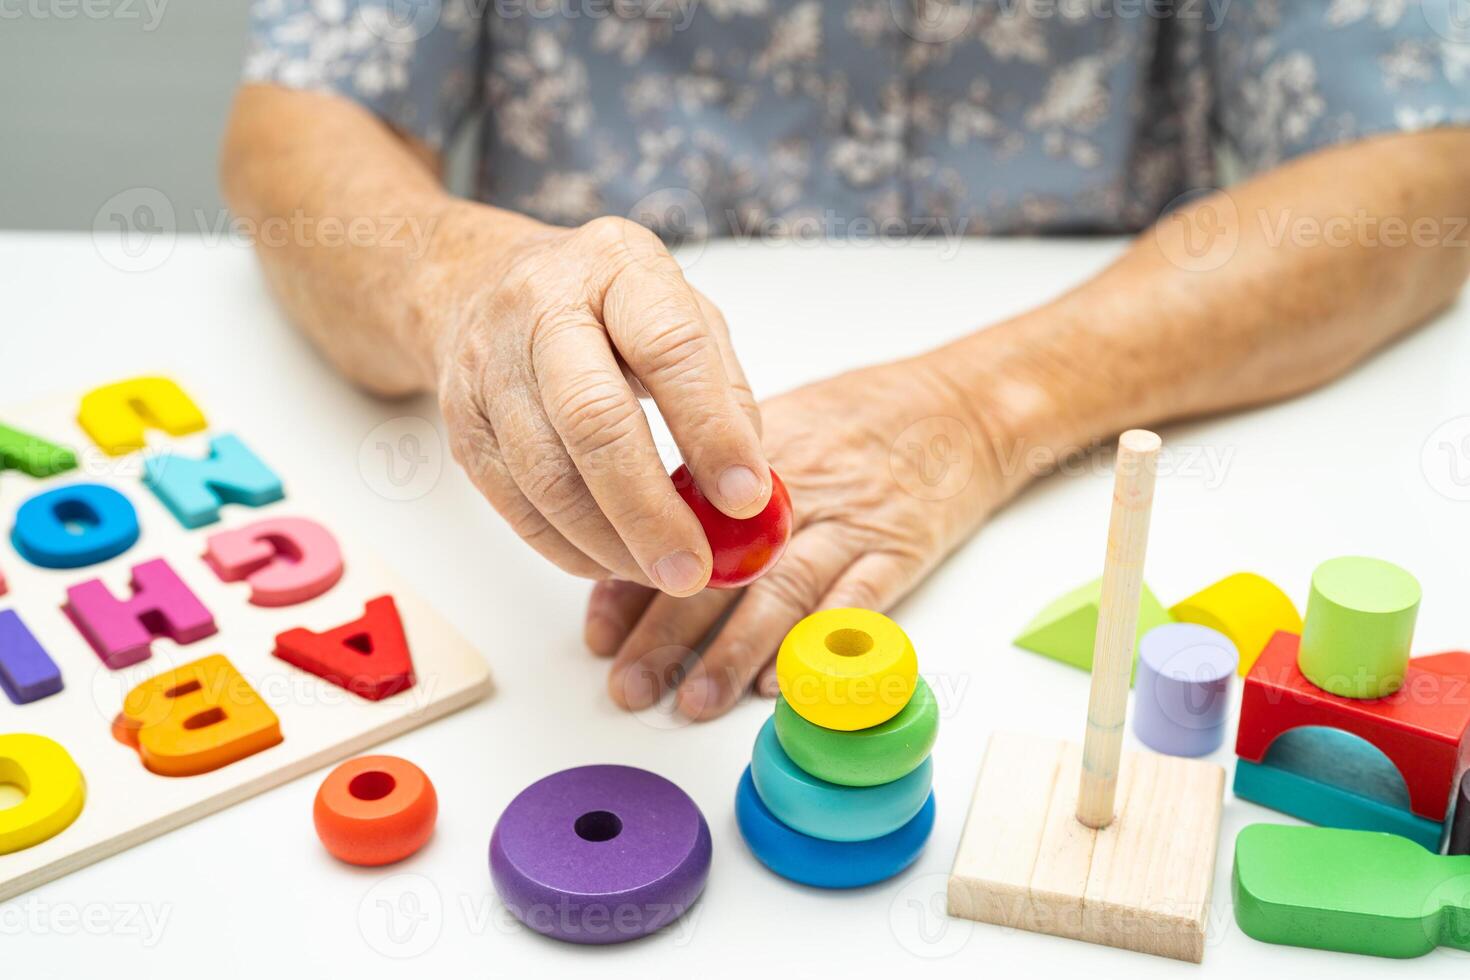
(602, 635)
(634, 687)
(770, 686)
(679, 573)
(700, 695)
(739, 487)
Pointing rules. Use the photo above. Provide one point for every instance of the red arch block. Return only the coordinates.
(1424, 727)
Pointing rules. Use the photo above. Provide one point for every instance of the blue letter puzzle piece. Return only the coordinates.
(74, 526)
(194, 489)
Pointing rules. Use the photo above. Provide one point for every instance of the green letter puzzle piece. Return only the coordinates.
(1352, 891)
(33, 455)
(1065, 629)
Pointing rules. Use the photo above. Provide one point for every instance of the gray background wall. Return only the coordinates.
(100, 96)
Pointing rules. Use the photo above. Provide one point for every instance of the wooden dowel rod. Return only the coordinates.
(1117, 624)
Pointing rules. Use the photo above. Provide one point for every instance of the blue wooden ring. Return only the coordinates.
(818, 808)
(825, 863)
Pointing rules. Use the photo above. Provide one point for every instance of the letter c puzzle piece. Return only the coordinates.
(121, 631)
(194, 489)
(196, 718)
(116, 415)
(285, 560)
(74, 526)
(54, 788)
(375, 810)
(368, 656)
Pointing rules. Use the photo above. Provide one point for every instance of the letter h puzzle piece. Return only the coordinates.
(1423, 728)
(121, 631)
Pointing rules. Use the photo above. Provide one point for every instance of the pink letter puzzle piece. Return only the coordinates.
(285, 560)
(121, 630)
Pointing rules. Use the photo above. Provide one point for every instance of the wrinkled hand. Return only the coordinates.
(552, 340)
(885, 480)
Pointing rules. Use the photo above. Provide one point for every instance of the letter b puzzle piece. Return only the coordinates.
(285, 560)
(120, 631)
(52, 783)
(368, 656)
(116, 415)
(194, 489)
(195, 719)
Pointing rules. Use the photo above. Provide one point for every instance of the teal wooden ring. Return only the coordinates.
(826, 810)
(868, 756)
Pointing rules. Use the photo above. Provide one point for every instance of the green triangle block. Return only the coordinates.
(1065, 629)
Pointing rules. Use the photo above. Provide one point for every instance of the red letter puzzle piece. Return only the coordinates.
(368, 656)
(1424, 727)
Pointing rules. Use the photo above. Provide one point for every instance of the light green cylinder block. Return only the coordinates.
(1358, 627)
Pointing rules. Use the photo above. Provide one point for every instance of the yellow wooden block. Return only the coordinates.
(847, 669)
(116, 415)
(53, 786)
(196, 718)
(1245, 607)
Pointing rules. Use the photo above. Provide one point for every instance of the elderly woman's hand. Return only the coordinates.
(889, 468)
(551, 340)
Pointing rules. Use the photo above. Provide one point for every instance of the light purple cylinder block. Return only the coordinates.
(1183, 689)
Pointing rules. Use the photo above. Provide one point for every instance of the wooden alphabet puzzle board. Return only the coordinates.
(203, 717)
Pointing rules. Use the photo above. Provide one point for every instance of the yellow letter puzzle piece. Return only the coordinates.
(52, 783)
(116, 415)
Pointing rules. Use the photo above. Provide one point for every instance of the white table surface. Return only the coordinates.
(1373, 465)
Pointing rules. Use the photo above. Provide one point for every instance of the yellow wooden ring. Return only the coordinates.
(847, 669)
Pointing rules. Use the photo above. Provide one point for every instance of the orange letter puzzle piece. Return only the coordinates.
(196, 718)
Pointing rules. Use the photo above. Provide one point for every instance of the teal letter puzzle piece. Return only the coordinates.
(1066, 628)
(1349, 890)
(194, 489)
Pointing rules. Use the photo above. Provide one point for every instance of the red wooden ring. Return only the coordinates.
(375, 810)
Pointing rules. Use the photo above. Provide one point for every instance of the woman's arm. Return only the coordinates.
(525, 329)
(1245, 296)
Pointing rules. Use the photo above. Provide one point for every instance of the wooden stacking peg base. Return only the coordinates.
(1141, 883)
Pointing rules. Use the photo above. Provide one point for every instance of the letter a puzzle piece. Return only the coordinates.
(52, 783)
(1065, 629)
(1423, 728)
(195, 719)
(194, 489)
(121, 631)
(117, 415)
(33, 455)
(27, 673)
(1351, 891)
(285, 560)
(368, 656)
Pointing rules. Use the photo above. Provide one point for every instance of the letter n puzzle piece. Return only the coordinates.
(122, 630)
(116, 415)
(285, 560)
(1066, 628)
(26, 673)
(33, 455)
(194, 489)
(52, 783)
(368, 656)
(73, 526)
(195, 719)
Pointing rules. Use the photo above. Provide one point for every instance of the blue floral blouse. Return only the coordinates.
(717, 117)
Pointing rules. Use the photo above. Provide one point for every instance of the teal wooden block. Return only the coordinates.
(1334, 779)
(195, 489)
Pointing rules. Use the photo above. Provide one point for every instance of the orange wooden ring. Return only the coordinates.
(375, 810)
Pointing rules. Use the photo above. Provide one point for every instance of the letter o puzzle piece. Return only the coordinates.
(847, 669)
(1358, 628)
(375, 810)
(285, 560)
(600, 854)
(1245, 607)
(1184, 674)
(74, 526)
(116, 415)
(821, 809)
(54, 788)
(868, 756)
(196, 718)
(825, 863)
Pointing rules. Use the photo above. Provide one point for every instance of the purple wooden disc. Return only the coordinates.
(600, 854)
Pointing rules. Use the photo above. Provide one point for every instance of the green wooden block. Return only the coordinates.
(1358, 627)
(1066, 628)
(1351, 891)
(33, 455)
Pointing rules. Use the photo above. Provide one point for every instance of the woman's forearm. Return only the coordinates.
(351, 224)
(1243, 297)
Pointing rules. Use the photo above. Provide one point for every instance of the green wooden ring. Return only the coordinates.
(868, 756)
